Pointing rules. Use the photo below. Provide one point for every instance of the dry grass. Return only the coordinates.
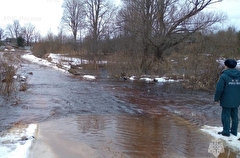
(120, 64)
(199, 71)
(8, 69)
(6, 76)
(23, 86)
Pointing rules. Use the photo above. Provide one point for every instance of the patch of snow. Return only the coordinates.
(132, 78)
(40, 61)
(17, 143)
(56, 60)
(232, 141)
(147, 79)
(158, 79)
(178, 112)
(59, 58)
(23, 78)
(90, 77)
(238, 64)
(164, 79)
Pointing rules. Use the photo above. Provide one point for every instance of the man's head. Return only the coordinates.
(230, 63)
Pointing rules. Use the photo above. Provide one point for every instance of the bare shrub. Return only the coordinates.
(203, 72)
(45, 47)
(23, 86)
(40, 49)
(122, 64)
(125, 64)
(7, 82)
(66, 48)
(162, 68)
(199, 70)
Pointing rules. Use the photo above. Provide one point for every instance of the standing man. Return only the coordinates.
(228, 94)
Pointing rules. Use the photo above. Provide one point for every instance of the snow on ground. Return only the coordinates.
(231, 142)
(158, 79)
(56, 59)
(40, 61)
(66, 61)
(147, 79)
(17, 142)
(164, 79)
(90, 77)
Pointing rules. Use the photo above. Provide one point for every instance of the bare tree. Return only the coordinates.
(100, 16)
(238, 40)
(9, 30)
(163, 24)
(73, 16)
(16, 28)
(36, 36)
(1, 34)
(28, 33)
(50, 40)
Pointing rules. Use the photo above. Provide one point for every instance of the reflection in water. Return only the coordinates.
(126, 136)
(228, 154)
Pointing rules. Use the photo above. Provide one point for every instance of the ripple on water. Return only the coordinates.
(124, 136)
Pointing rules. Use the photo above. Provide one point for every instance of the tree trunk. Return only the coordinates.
(146, 62)
(158, 53)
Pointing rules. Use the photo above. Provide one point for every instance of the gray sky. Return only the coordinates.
(46, 14)
(231, 8)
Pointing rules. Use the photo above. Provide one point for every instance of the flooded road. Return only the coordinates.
(122, 136)
(109, 117)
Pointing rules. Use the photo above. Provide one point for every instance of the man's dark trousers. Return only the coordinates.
(228, 113)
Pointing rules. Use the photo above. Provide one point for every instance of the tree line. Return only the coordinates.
(147, 29)
(139, 35)
(25, 35)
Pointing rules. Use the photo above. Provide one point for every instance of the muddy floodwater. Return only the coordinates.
(110, 118)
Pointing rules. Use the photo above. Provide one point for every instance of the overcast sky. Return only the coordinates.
(46, 14)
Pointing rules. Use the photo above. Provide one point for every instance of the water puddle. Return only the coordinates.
(120, 136)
